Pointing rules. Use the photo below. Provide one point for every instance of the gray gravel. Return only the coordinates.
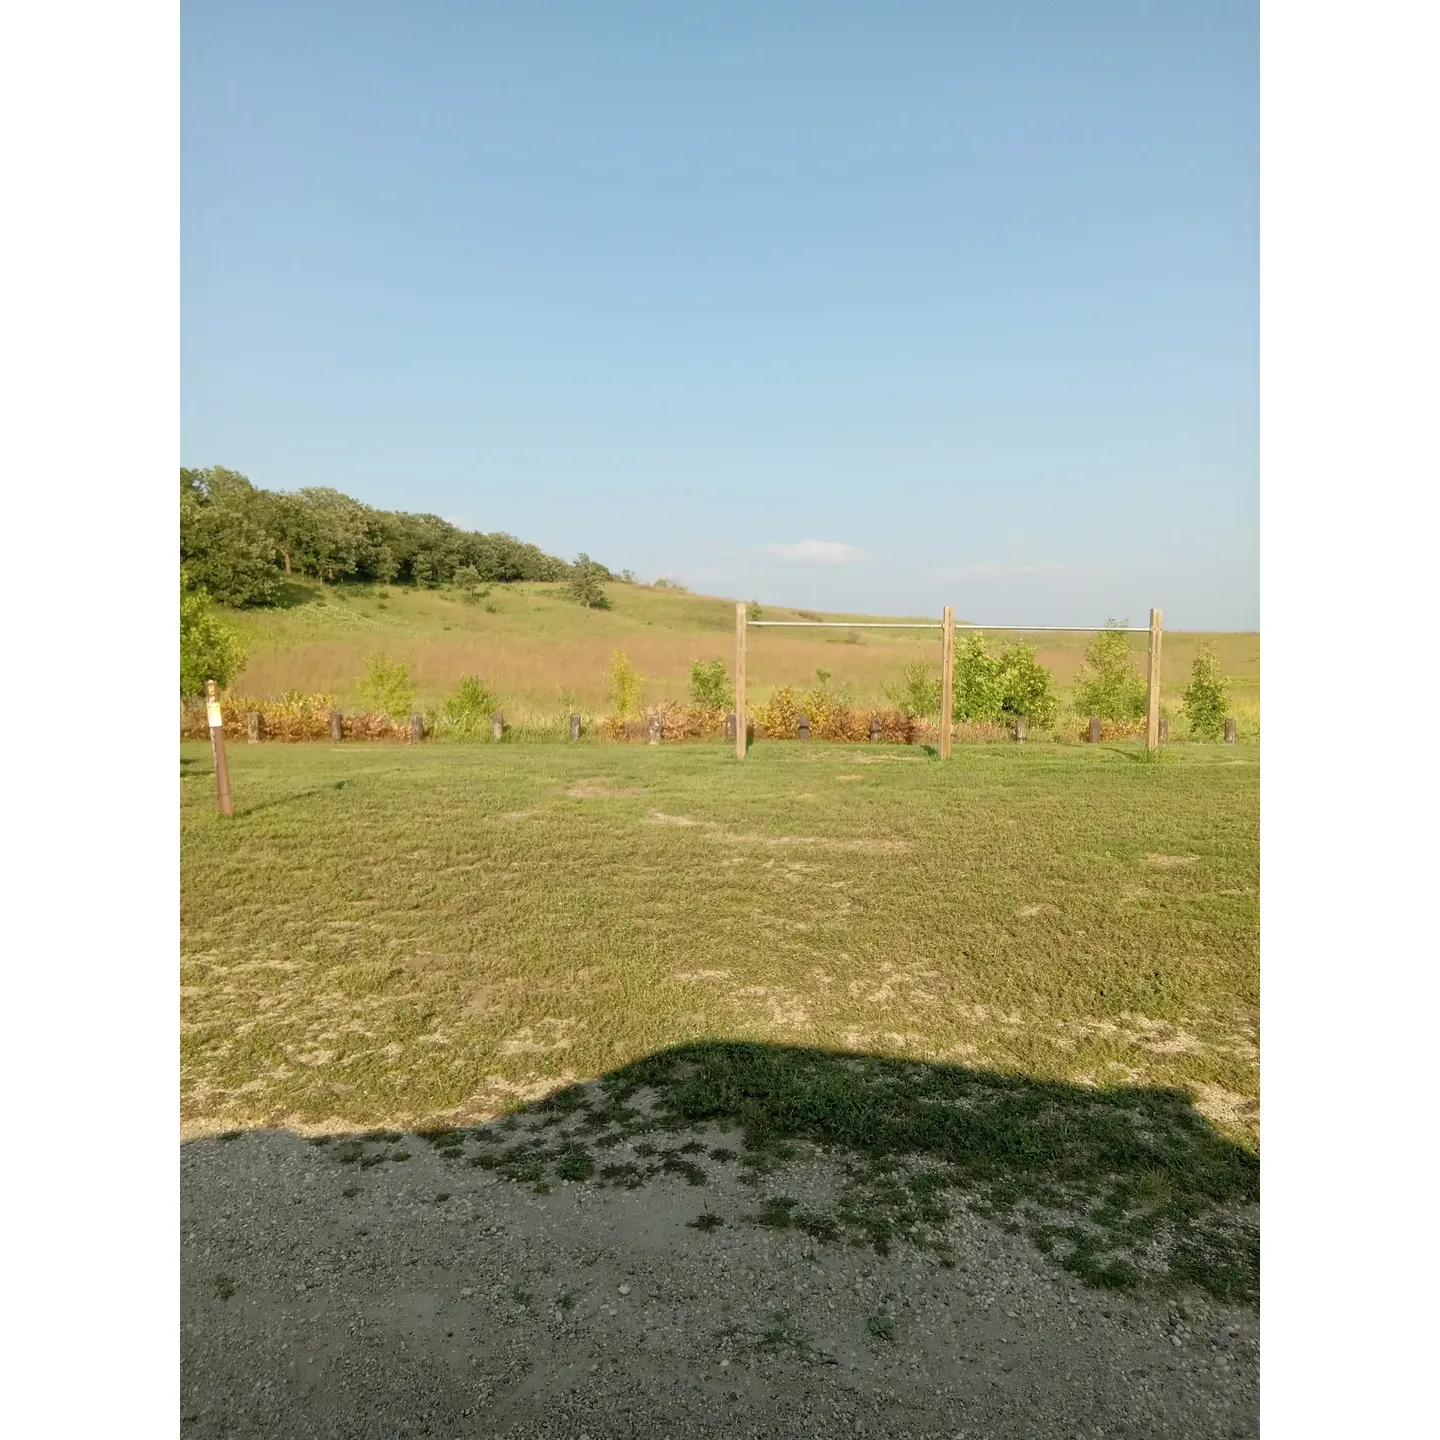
(390, 1311)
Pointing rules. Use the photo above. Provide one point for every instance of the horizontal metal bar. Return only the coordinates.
(846, 625)
(937, 625)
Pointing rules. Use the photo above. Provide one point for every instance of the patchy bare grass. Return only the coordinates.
(397, 953)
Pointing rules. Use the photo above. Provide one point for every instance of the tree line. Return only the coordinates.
(239, 542)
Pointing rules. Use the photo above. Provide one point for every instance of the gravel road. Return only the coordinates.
(423, 1296)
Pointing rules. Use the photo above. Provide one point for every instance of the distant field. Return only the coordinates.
(541, 653)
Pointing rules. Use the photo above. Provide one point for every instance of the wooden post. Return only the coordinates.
(741, 722)
(216, 722)
(947, 680)
(1229, 730)
(804, 730)
(1152, 704)
(654, 729)
(252, 727)
(417, 728)
(1164, 730)
(497, 726)
(337, 726)
(1094, 729)
(874, 727)
(574, 727)
(731, 729)
(1022, 728)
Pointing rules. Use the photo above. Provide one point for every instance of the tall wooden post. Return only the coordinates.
(216, 722)
(947, 681)
(740, 722)
(1152, 703)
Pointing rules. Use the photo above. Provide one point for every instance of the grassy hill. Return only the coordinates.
(542, 653)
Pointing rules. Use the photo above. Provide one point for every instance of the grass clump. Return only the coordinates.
(467, 713)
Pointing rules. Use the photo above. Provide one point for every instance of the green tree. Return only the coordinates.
(467, 582)
(1026, 686)
(1206, 698)
(710, 686)
(1108, 684)
(978, 688)
(224, 545)
(209, 649)
(995, 687)
(584, 586)
(625, 683)
(469, 710)
(386, 686)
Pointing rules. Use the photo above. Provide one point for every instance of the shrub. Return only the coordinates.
(467, 582)
(584, 586)
(209, 649)
(1207, 696)
(625, 683)
(710, 686)
(754, 612)
(990, 689)
(467, 712)
(1108, 685)
(918, 692)
(386, 686)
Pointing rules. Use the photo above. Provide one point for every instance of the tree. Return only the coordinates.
(467, 582)
(386, 686)
(1206, 697)
(224, 547)
(995, 687)
(625, 683)
(1108, 685)
(584, 586)
(209, 649)
(710, 686)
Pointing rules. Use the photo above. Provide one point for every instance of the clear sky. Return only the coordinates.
(878, 306)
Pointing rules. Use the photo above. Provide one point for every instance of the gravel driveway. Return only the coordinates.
(421, 1297)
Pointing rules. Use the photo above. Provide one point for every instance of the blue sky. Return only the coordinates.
(876, 307)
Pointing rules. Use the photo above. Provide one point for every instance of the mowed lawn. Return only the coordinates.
(399, 937)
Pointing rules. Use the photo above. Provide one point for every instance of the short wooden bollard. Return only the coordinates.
(1022, 728)
(804, 727)
(654, 729)
(730, 726)
(1164, 730)
(874, 727)
(1094, 729)
(497, 726)
(216, 722)
(417, 728)
(1229, 729)
(574, 727)
(252, 727)
(337, 726)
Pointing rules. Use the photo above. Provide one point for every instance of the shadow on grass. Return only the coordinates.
(1124, 1187)
(291, 594)
(244, 810)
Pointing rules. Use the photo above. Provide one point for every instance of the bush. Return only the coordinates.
(710, 686)
(467, 582)
(1207, 696)
(991, 689)
(918, 692)
(468, 711)
(584, 586)
(209, 649)
(625, 683)
(387, 687)
(1108, 685)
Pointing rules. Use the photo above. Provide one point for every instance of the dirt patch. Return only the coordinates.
(1168, 862)
(725, 836)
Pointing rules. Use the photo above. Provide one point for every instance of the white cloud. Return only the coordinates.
(829, 552)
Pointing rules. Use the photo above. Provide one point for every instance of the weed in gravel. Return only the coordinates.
(350, 1191)
(224, 1287)
(882, 1327)
(705, 1221)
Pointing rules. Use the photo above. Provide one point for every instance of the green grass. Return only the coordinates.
(1027, 977)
